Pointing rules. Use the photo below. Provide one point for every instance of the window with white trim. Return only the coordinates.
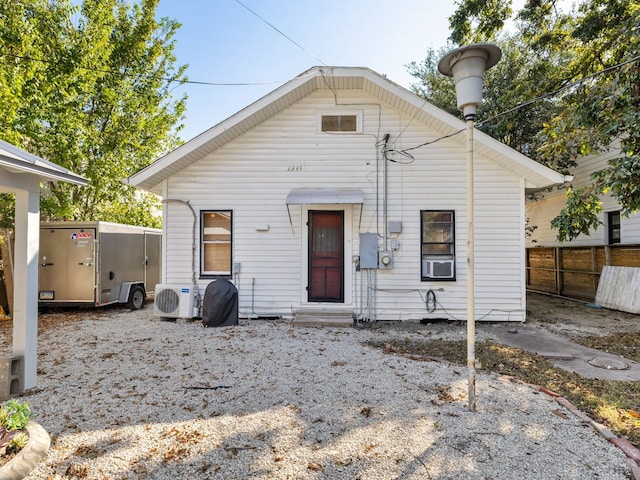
(438, 249)
(216, 243)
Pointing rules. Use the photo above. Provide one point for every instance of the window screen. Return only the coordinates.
(216, 242)
(339, 123)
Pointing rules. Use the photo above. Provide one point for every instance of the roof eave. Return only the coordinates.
(15, 159)
(151, 177)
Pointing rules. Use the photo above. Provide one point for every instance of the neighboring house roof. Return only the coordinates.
(150, 178)
(16, 160)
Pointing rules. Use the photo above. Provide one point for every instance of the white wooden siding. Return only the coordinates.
(253, 174)
(540, 212)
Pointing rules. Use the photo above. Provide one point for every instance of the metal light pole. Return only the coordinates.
(467, 66)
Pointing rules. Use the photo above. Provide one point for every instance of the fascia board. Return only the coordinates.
(17, 160)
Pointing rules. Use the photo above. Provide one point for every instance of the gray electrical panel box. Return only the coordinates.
(368, 250)
(395, 226)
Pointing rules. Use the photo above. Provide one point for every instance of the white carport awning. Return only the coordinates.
(16, 160)
(324, 196)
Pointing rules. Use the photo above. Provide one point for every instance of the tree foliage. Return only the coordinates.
(478, 20)
(89, 87)
(582, 68)
(508, 85)
(579, 214)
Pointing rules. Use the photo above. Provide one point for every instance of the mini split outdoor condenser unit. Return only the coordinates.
(438, 268)
(175, 301)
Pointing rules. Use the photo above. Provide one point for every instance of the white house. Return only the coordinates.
(546, 205)
(20, 174)
(342, 192)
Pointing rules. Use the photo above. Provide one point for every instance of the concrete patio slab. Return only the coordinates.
(565, 354)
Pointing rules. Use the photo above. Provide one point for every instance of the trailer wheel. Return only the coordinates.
(136, 298)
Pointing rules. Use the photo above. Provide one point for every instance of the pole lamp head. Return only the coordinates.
(467, 66)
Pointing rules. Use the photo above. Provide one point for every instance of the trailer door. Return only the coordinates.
(67, 265)
(153, 260)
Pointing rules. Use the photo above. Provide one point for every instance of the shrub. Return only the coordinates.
(15, 415)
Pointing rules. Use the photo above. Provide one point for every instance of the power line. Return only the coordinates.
(166, 79)
(194, 82)
(521, 105)
(558, 90)
(281, 33)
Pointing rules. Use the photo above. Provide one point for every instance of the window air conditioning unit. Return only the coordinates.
(438, 268)
(175, 301)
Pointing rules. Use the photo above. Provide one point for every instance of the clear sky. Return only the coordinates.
(223, 42)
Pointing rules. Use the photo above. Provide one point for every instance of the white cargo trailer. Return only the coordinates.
(98, 263)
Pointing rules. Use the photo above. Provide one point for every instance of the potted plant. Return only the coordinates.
(23, 443)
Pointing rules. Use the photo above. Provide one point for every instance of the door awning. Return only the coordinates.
(324, 196)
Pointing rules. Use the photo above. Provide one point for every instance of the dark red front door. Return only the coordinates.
(326, 256)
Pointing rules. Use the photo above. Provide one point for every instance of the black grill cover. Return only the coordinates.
(220, 305)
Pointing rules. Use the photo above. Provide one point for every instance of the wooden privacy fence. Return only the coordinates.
(575, 271)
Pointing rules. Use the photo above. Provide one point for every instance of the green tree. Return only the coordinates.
(583, 68)
(508, 84)
(89, 87)
(602, 111)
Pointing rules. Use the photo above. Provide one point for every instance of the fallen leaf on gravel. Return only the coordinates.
(183, 436)
(175, 453)
(559, 413)
(315, 466)
(87, 451)
(443, 394)
(79, 471)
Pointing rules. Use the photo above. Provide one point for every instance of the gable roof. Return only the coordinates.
(16, 160)
(338, 78)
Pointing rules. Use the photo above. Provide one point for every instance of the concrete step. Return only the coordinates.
(323, 317)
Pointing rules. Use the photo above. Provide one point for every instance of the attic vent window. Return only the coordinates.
(350, 122)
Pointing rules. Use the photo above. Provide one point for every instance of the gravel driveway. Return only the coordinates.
(125, 396)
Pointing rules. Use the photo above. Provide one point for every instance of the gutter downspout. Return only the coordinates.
(193, 235)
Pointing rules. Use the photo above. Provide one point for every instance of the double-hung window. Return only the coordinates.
(614, 227)
(438, 249)
(216, 237)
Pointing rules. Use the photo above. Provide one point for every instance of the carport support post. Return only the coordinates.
(25, 304)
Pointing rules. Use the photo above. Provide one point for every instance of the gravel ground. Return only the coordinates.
(125, 396)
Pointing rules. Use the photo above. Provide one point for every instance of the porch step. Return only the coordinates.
(323, 317)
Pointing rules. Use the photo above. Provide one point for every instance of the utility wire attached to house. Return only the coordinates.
(558, 90)
(521, 105)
